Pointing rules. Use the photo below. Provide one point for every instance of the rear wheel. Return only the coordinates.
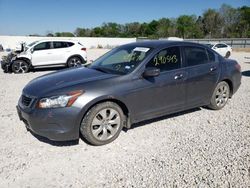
(220, 96)
(74, 62)
(102, 124)
(20, 66)
(227, 54)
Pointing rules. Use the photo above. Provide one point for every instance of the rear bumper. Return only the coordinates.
(236, 82)
(55, 124)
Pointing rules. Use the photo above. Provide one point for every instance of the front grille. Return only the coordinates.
(26, 100)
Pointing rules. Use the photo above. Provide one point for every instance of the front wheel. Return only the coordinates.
(20, 66)
(220, 96)
(102, 124)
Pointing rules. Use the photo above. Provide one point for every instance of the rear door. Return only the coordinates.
(203, 69)
(59, 51)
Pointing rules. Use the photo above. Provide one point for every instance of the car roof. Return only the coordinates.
(56, 40)
(162, 43)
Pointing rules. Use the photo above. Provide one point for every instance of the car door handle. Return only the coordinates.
(178, 76)
(212, 69)
(48, 53)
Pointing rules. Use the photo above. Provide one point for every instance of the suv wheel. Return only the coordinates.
(102, 124)
(74, 62)
(220, 96)
(20, 66)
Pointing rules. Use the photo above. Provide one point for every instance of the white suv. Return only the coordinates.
(48, 53)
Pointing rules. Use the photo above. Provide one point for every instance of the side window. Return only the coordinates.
(167, 59)
(221, 46)
(60, 44)
(70, 44)
(195, 56)
(211, 56)
(42, 46)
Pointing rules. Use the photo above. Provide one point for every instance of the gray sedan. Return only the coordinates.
(129, 84)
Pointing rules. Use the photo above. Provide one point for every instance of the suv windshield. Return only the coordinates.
(29, 45)
(121, 60)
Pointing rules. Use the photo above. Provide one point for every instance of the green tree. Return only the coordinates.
(243, 27)
(186, 26)
(162, 30)
(213, 23)
(230, 17)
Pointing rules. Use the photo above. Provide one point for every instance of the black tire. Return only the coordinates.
(220, 96)
(74, 62)
(20, 66)
(96, 129)
(227, 54)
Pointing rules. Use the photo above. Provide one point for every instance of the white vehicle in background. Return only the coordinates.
(49, 53)
(222, 48)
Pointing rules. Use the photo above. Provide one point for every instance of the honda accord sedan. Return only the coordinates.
(129, 84)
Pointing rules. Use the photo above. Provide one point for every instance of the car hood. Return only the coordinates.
(62, 79)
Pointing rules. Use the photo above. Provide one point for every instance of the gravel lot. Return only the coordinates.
(198, 148)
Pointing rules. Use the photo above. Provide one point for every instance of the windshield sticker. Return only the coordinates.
(141, 49)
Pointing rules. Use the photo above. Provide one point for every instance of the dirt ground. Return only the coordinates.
(196, 148)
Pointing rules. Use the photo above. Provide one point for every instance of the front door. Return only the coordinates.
(155, 96)
(42, 54)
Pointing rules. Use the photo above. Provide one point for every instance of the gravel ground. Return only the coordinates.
(197, 148)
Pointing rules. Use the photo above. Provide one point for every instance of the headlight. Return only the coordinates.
(60, 101)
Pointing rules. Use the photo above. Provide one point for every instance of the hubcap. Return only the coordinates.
(222, 95)
(75, 62)
(105, 124)
(20, 67)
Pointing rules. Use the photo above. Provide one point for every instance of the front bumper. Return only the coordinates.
(59, 124)
(6, 66)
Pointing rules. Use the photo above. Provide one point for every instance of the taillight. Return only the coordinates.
(84, 49)
(238, 67)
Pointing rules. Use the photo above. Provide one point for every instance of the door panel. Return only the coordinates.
(200, 83)
(157, 95)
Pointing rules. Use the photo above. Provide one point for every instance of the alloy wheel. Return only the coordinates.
(222, 95)
(74, 62)
(20, 67)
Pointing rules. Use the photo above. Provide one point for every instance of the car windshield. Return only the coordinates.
(29, 45)
(210, 45)
(121, 60)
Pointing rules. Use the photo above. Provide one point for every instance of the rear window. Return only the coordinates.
(195, 56)
(70, 44)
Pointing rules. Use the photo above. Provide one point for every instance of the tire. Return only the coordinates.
(220, 96)
(20, 66)
(227, 54)
(102, 124)
(74, 61)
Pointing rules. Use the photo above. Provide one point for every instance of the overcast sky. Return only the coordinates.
(24, 17)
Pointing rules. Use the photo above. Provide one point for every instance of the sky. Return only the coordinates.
(24, 17)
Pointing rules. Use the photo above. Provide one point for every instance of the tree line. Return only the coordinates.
(225, 22)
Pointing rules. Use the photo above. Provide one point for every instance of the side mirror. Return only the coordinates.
(151, 72)
(32, 50)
